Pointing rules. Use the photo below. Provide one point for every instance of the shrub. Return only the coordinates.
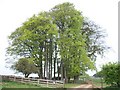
(110, 74)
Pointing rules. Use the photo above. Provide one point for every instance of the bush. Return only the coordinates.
(110, 74)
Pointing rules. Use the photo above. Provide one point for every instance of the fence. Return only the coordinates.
(42, 82)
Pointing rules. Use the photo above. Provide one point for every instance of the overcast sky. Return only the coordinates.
(103, 12)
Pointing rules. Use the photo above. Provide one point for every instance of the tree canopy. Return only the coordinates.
(60, 40)
(25, 66)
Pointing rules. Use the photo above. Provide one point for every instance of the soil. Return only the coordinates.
(82, 87)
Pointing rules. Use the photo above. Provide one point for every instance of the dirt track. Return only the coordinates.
(82, 87)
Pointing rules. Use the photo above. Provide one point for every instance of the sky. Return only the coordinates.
(103, 12)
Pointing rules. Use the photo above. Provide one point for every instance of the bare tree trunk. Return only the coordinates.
(65, 73)
(55, 60)
(50, 63)
(58, 69)
(40, 72)
(40, 61)
(45, 59)
(44, 70)
(61, 70)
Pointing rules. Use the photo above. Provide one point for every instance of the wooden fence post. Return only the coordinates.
(29, 80)
(22, 79)
(38, 81)
(64, 83)
(47, 82)
(14, 78)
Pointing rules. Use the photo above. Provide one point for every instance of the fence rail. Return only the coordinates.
(42, 82)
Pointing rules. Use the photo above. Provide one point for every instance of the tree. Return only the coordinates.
(110, 73)
(29, 40)
(71, 44)
(94, 36)
(59, 40)
(25, 66)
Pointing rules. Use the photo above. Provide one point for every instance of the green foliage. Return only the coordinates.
(71, 42)
(94, 39)
(60, 33)
(25, 66)
(29, 39)
(110, 73)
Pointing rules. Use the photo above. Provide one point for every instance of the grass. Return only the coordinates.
(11, 84)
(111, 88)
(97, 82)
(21, 86)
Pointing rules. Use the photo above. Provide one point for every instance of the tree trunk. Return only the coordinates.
(54, 68)
(118, 84)
(46, 62)
(26, 75)
(41, 71)
(49, 68)
(65, 74)
(44, 69)
(45, 52)
(76, 78)
(61, 70)
(68, 79)
(40, 67)
(55, 60)
(50, 63)
(59, 73)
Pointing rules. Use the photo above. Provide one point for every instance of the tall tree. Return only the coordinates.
(70, 40)
(28, 40)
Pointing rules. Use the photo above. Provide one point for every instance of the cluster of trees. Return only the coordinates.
(60, 41)
(110, 74)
